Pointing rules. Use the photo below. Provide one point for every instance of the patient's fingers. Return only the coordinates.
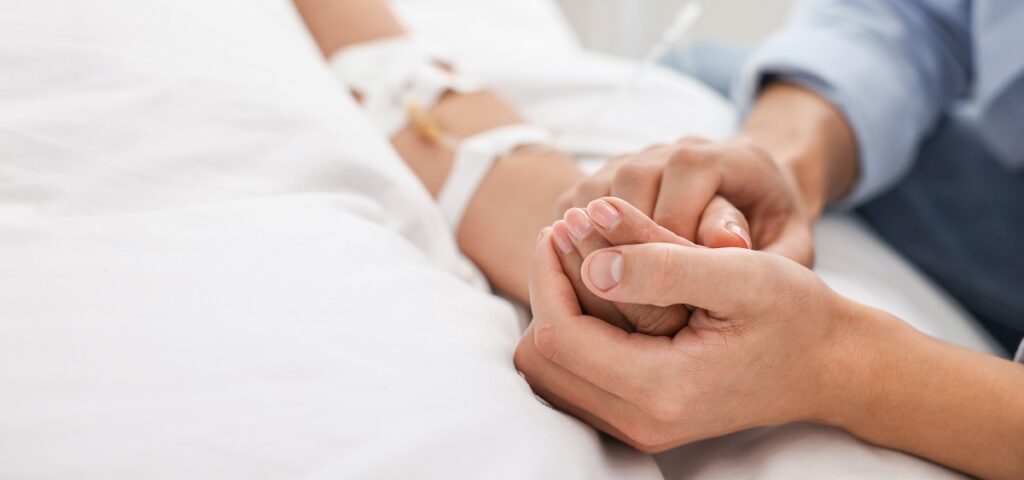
(571, 260)
(622, 364)
(645, 319)
(582, 233)
(551, 292)
(620, 223)
(723, 225)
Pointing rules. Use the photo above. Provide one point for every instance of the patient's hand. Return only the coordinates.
(609, 222)
(707, 191)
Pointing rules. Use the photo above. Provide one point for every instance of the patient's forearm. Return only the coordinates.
(517, 197)
(905, 390)
(337, 23)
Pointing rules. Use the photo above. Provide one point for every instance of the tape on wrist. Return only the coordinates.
(393, 75)
(474, 158)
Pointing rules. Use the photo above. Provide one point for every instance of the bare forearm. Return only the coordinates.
(809, 137)
(517, 197)
(907, 391)
(335, 24)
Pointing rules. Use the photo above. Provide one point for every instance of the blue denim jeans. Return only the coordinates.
(958, 215)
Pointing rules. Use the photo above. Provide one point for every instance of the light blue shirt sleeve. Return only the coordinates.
(891, 67)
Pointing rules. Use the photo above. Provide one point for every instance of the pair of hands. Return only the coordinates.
(614, 340)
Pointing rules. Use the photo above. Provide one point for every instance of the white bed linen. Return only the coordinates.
(561, 87)
(211, 268)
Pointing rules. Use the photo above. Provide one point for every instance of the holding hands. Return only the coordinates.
(682, 376)
(708, 191)
(660, 341)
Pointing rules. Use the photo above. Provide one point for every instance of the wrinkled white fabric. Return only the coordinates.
(212, 267)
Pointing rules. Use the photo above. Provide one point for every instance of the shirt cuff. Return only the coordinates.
(833, 66)
(1019, 357)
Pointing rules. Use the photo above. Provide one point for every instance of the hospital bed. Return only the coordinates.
(212, 267)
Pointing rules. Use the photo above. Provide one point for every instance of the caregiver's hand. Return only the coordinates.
(769, 344)
(682, 187)
(755, 352)
(604, 223)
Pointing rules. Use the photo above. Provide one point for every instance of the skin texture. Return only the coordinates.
(703, 190)
(809, 139)
(768, 343)
(576, 236)
(519, 195)
(795, 153)
(500, 244)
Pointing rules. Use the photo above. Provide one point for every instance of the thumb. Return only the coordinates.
(665, 274)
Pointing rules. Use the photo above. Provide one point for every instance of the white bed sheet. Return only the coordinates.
(210, 267)
(561, 87)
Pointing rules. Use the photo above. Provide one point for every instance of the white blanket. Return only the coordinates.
(211, 267)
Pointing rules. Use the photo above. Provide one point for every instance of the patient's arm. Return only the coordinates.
(517, 197)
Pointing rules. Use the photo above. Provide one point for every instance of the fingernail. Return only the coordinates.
(578, 223)
(739, 231)
(562, 238)
(606, 269)
(541, 235)
(604, 214)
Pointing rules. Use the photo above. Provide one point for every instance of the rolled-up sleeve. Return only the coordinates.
(891, 68)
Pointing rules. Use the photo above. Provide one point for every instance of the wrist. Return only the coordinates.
(808, 138)
(857, 366)
(803, 167)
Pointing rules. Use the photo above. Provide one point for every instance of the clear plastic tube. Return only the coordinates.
(684, 20)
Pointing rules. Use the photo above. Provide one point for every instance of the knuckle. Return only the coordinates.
(670, 274)
(663, 404)
(545, 340)
(743, 141)
(754, 151)
(564, 202)
(645, 436)
(665, 409)
(689, 158)
(589, 189)
(752, 146)
(522, 359)
(634, 173)
(693, 140)
(672, 219)
(614, 162)
(762, 275)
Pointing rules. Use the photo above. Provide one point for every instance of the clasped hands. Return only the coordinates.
(661, 341)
